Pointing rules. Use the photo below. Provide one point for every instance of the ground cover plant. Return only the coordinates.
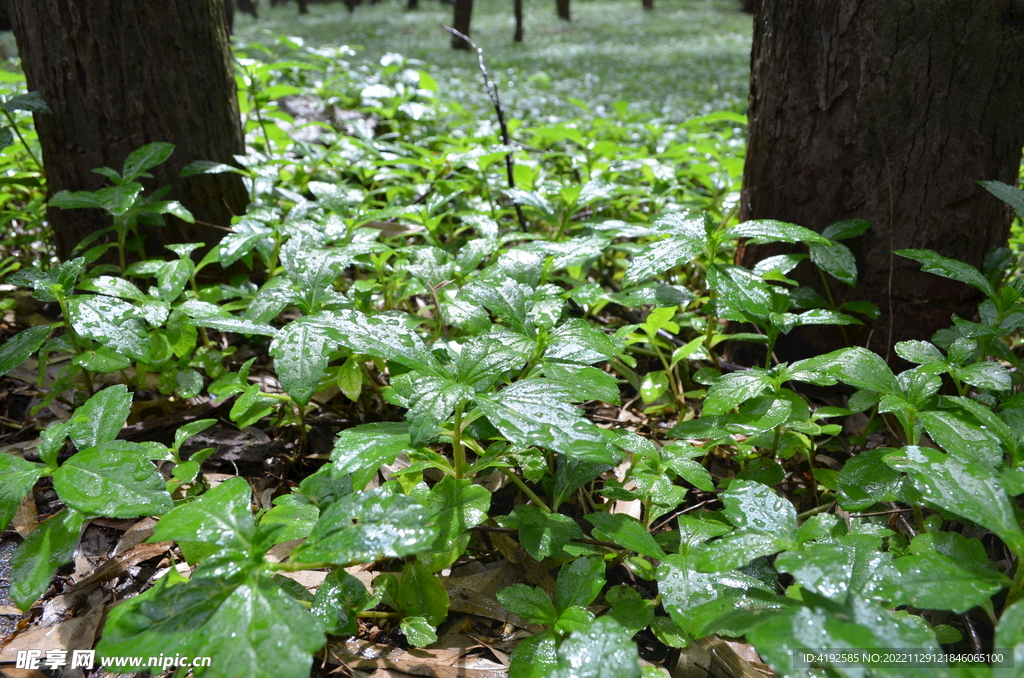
(522, 432)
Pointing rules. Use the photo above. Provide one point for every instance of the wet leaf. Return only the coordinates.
(421, 594)
(115, 479)
(17, 478)
(222, 516)
(579, 583)
(529, 603)
(535, 412)
(366, 526)
(866, 480)
(934, 581)
(968, 489)
(336, 603)
(628, 532)
(36, 559)
(459, 505)
(825, 569)
(361, 450)
(418, 631)
(662, 255)
(112, 322)
(601, 650)
(18, 348)
(742, 295)
(146, 158)
(101, 418)
(734, 389)
(542, 534)
(535, 656)
(300, 351)
(772, 230)
(837, 260)
(932, 262)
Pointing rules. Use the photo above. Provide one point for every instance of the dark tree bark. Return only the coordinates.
(229, 15)
(5, 17)
(648, 4)
(249, 7)
(412, 5)
(747, 6)
(891, 111)
(562, 7)
(460, 22)
(120, 75)
(517, 9)
(303, 6)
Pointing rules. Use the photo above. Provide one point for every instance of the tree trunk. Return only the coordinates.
(517, 8)
(562, 7)
(121, 75)
(412, 5)
(229, 15)
(460, 22)
(891, 111)
(648, 4)
(249, 7)
(303, 7)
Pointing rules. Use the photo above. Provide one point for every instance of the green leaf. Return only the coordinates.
(920, 352)
(300, 351)
(753, 506)
(585, 383)
(383, 336)
(36, 559)
(772, 230)
(293, 521)
(861, 368)
(985, 374)
(866, 480)
(535, 656)
(734, 389)
(222, 516)
(542, 534)
(968, 489)
(431, 401)
(337, 602)
(67, 200)
(601, 650)
(534, 412)
(459, 505)
(572, 474)
(101, 418)
(931, 262)
(481, 360)
(251, 407)
(627, 531)
(963, 438)
(579, 583)
(530, 604)
(825, 569)
(679, 458)
(1010, 635)
(742, 296)
(934, 581)
(687, 241)
(837, 260)
(366, 526)
(114, 479)
(421, 594)
(232, 324)
(146, 158)
(1011, 195)
(17, 478)
(577, 341)
(207, 167)
(418, 631)
(31, 102)
(243, 619)
(112, 322)
(654, 385)
(739, 548)
(630, 609)
(361, 450)
(18, 348)
(844, 230)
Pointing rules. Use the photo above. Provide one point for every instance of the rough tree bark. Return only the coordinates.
(120, 75)
(891, 111)
(517, 10)
(460, 22)
(562, 7)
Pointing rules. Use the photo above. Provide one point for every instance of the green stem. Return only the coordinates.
(296, 567)
(122, 235)
(1017, 587)
(518, 482)
(458, 451)
(14, 127)
(376, 614)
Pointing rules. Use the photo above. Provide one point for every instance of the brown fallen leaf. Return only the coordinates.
(78, 633)
(442, 663)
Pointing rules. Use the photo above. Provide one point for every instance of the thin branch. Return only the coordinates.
(492, 92)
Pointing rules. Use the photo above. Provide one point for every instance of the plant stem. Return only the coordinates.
(14, 127)
(458, 451)
(518, 482)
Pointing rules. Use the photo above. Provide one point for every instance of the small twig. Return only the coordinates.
(492, 92)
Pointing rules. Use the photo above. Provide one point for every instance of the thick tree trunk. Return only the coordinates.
(303, 7)
(517, 9)
(460, 22)
(562, 7)
(412, 5)
(120, 75)
(891, 111)
(249, 7)
(648, 4)
(229, 15)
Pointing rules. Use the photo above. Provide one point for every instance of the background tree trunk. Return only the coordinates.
(517, 9)
(647, 4)
(412, 5)
(120, 75)
(562, 7)
(460, 22)
(891, 111)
